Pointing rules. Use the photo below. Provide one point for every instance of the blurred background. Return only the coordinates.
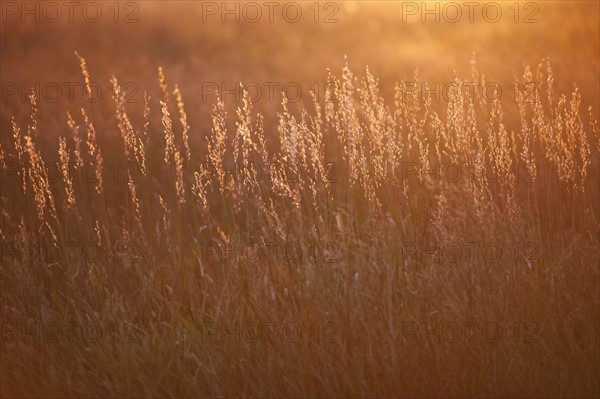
(207, 47)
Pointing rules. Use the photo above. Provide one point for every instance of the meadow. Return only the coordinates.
(356, 203)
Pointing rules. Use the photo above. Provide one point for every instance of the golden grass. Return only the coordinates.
(350, 226)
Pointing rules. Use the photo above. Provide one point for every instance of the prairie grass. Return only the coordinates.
(363, 190)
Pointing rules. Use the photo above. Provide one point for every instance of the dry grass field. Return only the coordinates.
(300, 199)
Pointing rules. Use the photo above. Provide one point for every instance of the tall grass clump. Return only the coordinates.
(370, 225)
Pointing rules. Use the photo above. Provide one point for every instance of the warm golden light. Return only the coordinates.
(299, 199)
